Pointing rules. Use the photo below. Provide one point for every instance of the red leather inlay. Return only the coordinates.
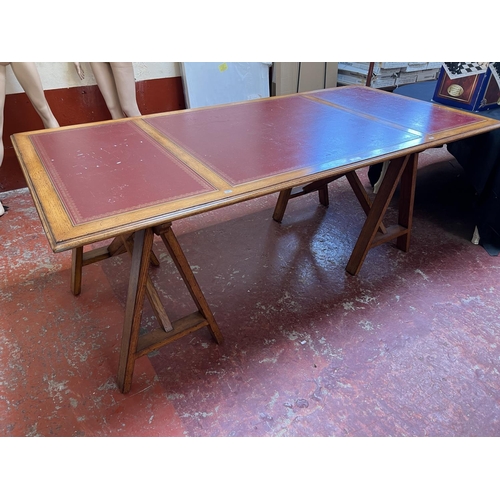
(250, 141)
(411, 113)
(113, 168)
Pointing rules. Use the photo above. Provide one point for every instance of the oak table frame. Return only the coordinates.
(130, 179)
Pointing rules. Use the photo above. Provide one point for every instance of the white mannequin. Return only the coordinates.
(117, 85)
(27, 75)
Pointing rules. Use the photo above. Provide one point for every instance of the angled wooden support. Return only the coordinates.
(167, 235)
(404, 169)
(361, 195)
(79, 258)
(151, 291)
(279, 209)
(140, 286)
(287, 194)
(133, 310)
(407, 201)
(322, 188)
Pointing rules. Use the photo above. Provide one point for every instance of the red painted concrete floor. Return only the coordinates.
(409, 347)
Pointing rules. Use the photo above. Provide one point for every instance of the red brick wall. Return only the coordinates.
(77, 105)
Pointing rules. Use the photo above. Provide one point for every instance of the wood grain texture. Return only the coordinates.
(242, 151)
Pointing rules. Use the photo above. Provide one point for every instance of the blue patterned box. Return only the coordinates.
(473, 86)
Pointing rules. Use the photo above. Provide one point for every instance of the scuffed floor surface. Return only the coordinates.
(409, 347)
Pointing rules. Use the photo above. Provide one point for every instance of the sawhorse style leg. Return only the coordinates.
(322, 188)
(287, 194)
(133, 309)
(133, 346)
(404, 169)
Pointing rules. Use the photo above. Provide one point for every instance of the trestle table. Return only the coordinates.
(128, 180)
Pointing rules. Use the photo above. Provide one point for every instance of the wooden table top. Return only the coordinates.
(94, 181)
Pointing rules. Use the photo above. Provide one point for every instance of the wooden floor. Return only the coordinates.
(409, 347)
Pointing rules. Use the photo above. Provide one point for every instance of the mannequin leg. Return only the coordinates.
(123, 73)
(106, 83)
(28, 77)
(2, 104)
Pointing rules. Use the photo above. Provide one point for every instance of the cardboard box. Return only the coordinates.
(390, 65)
(384, 69)
(434, 65)
(427, 74)
(352, 78)
(349, 74)
(385, 82)
(387, 74)
(464, 85)
(353, 66)
(348, 78)
(414, 66)
(406, 78)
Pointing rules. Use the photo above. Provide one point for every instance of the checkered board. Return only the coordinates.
(462, 69)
